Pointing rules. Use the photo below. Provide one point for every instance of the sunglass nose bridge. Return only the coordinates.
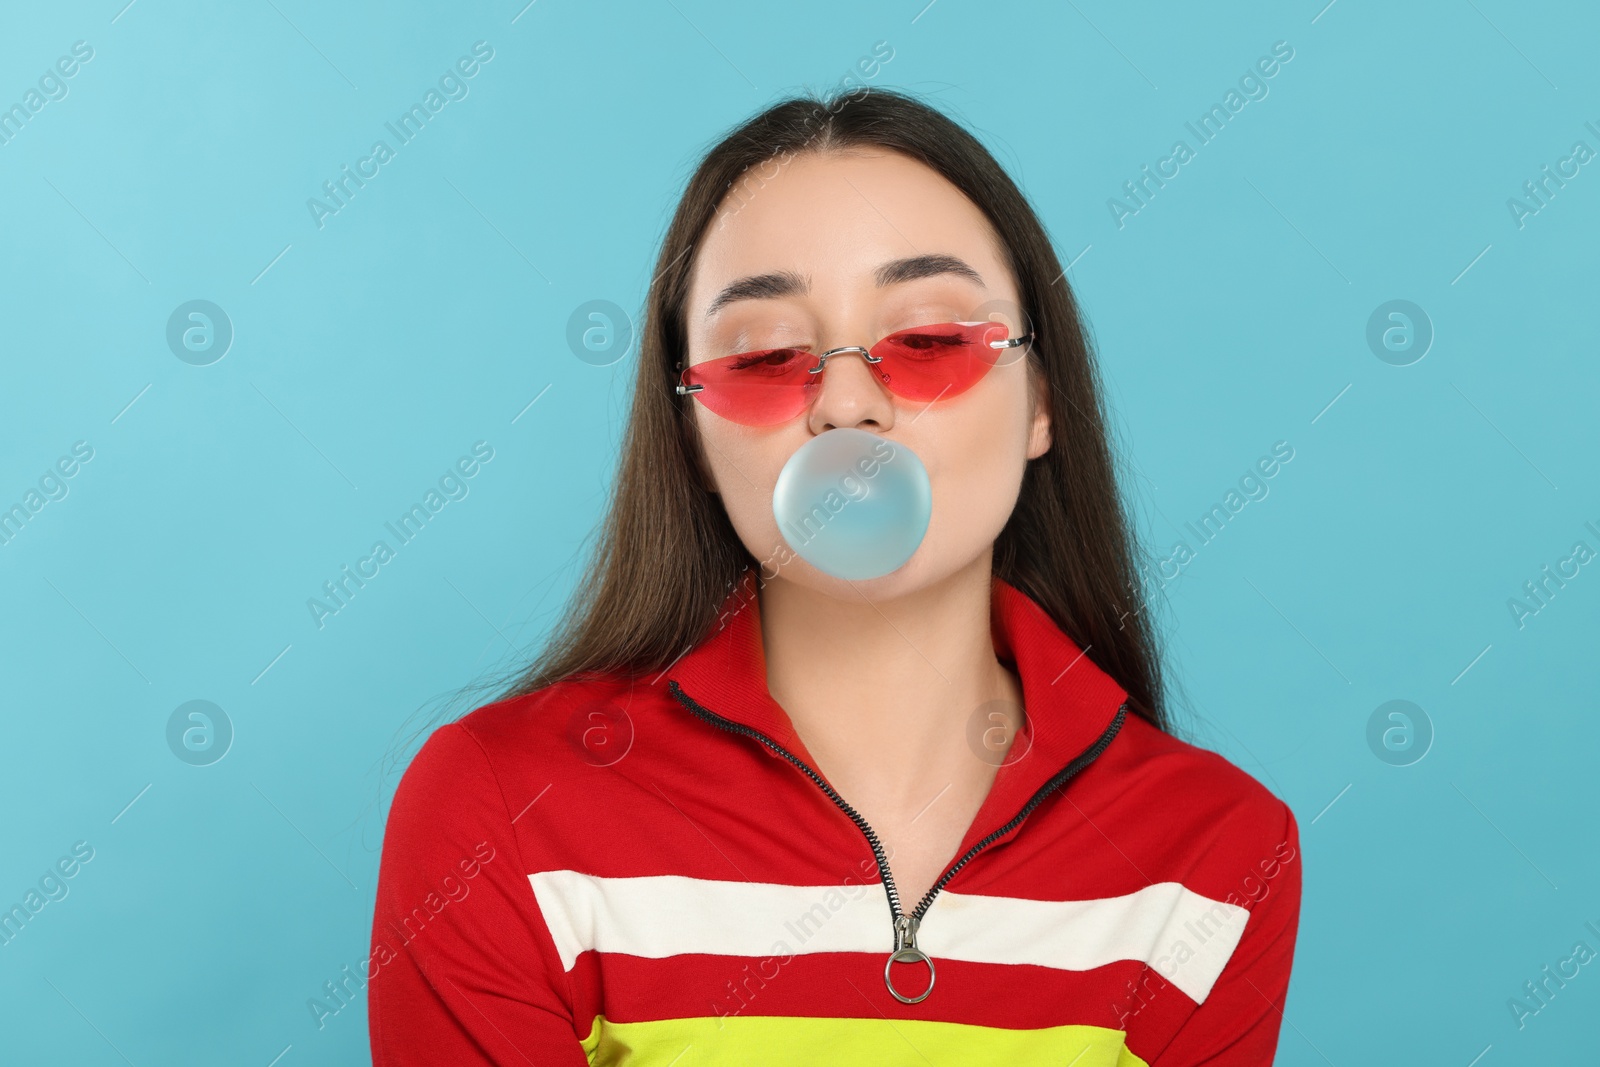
(822, 360)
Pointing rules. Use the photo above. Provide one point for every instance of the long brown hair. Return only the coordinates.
(666, 555)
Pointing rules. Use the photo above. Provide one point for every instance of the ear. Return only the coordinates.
(1039, 436)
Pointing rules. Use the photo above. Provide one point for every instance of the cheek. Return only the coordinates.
(745, 468)
(978, 477)
(977, 457)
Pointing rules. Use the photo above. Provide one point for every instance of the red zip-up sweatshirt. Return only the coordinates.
(655, 871)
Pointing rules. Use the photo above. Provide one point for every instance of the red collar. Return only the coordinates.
(1068, 700)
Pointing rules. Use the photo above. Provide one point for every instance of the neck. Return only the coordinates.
(889, 695)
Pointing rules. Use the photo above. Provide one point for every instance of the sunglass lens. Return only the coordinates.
(756, 388)
(928, 362)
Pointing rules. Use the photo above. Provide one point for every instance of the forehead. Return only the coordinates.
(834, 220)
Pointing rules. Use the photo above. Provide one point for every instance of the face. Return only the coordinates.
(805, 254)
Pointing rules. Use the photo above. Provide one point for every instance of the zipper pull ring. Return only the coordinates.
(906, 951)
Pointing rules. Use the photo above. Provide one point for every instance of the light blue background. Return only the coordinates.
(1230, 313)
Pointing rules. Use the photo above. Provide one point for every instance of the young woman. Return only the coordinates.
(744, 810)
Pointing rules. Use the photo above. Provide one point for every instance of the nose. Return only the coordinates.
(851, 394)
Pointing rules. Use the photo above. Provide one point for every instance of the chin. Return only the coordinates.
(929, 565)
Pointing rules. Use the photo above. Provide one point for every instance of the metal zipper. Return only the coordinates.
(906, 924)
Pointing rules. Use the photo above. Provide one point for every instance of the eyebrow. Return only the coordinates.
(782, 283)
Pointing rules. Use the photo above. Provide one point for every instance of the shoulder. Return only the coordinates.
(472, 778)
(540, 733)
(1202, 798)
(1184, 771)
(555, 722)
